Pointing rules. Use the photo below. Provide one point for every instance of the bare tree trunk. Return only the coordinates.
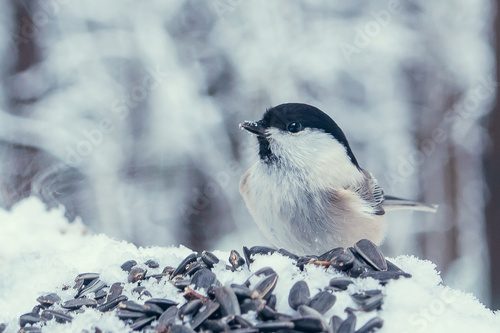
(492, 173)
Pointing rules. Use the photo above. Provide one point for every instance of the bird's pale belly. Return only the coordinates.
(307, 223)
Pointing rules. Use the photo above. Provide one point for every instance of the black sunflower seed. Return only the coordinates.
(151, 263)
(335, 322)
(216, 325)
(247, 254)
(48, 300)
(242, 322)
(181, 329)
(241, 291)
(255, 305)
(322, 301)
(348, 325)
(288, 254)
(126, 314)
(163, 303)
(209, 259)
(271, 301)
(329, 255)
(111, 304)
(203, 278)
(86, 277)
(307, 311)
(136, 274)
(127, 265)
(267, 313)
(194, 267)
(168, 270)
(37, 309)
(309, 324)
(385, 276)
(340, 283)
(181, 269)
(228, 301)
(265, 286)
(29, 318)
(263, 250)
(299, 294)
(371, 325)
(100, 294)
(3, 327)
(75, 304)
(371, 303)
(190, 308)
(235, 259)
(166, 319)
(92, 287)
(205, 312)
(273, 326)
(141, 323)
(59, 316)
(342, 261)
(371, 254)
(132, 306)
(115, 290)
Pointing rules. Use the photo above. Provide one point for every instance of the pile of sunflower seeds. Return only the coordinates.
(241, 308)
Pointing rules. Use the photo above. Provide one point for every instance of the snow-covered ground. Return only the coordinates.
(40, 252)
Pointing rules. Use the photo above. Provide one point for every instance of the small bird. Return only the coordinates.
(307, 192)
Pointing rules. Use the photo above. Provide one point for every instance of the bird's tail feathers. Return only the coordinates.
(391, 203)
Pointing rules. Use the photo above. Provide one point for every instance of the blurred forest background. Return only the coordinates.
(126, 113)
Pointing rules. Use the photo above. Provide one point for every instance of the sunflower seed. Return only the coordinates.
(163, 303)
(205, 312)
(126, 314)
(181, 329)
(132, 306)
(309, 324)
(322, 301)
(340, 283)
(267, 313)
(242, 322)
(228, 301)
(190, 308)
(29, 318)
(75, 304)
(86, 277)
(255, 305)
(141, 323)
(247, 255)
(93, 286)
(136, 274)
(307, 311)
(168, 270)
(299, 294)
(166, 319)
(127, 265)
(109, 305)
(335, 322)
(265, 287)
(371, 303)
(209, 259)
(385, 276)
(3, 327)
(59, 316)
(371, 254)
(194, 267)
(100, 294)
(348, 325)
(216, 325)
(371, 325)
(273, 326)
(203, 278)
(235, 259)
(115, 290)
(241, 291)
(152, 264)
(342, 261)
(271, 301)
(48, 300)
(329, 255)
(181, 269)
(288, 254)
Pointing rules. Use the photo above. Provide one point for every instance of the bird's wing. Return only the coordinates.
(371, 193)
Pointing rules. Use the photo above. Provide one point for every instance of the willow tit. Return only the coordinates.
(307, 192)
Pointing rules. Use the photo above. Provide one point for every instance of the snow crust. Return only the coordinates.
(40, 252)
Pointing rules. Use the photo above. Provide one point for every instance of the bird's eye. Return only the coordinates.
(294, 127)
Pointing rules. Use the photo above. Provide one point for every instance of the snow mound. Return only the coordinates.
(41, 253)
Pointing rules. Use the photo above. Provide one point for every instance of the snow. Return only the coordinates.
(40, 252)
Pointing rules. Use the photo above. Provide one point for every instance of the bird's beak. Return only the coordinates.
(254, 127)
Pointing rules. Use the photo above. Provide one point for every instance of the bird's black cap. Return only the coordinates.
(296, 116)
